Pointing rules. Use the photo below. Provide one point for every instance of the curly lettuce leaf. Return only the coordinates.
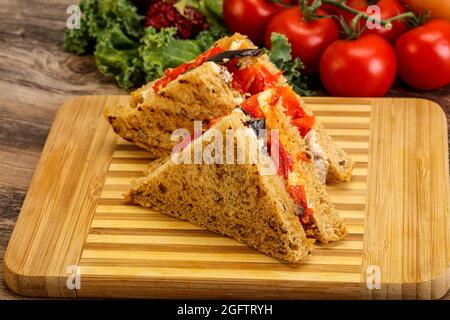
(117, 55)
(124, 50)
(161, 50)
(280, 55)
(98, 16)
(78, 40)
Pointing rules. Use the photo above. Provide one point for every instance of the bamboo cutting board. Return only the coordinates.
(77, 237)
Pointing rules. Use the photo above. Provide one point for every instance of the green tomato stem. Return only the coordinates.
(385, 23)
(402, 16)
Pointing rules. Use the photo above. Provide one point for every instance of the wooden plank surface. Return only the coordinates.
(407, 221)
(61, 200)
(36, 77)
(123, 250)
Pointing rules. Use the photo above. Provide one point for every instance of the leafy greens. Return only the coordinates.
(123, 49)
(160, 50)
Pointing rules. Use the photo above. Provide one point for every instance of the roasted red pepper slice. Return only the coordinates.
(253, 79)
(285, 162)
(251, 106)
(304, 124)
(172, 74)
(303, 121)
(298, 194)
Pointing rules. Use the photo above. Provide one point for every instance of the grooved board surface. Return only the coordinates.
(396, 209)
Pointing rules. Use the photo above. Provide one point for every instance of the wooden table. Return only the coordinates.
(36, 77)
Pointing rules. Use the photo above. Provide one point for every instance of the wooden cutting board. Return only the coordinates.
(77, 237)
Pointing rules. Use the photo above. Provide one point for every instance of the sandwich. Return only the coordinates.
(279, 212)
(209, 87)
(235, 200)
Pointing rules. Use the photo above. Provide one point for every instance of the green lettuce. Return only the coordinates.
(99, 16)
(112, 30)
(124, 50)
(117, 55)
(161, 50)
(280, 55)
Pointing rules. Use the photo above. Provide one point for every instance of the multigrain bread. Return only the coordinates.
(340, 164)
(235, 200)
(150, 118)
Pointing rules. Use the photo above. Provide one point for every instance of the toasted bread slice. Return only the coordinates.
(235, 200)
(151, 117)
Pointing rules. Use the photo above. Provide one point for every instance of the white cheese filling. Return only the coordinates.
(320, 158)
(235, 45)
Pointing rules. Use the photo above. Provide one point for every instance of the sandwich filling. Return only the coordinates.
(250, 77)
(295, 185)
(259, 105)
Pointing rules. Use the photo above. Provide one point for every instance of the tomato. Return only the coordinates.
(365, 67)
(388, 9)
(249, 17)
(438, 8)
(308, 38)
(360, 5)
(423, 55)
(328, 8)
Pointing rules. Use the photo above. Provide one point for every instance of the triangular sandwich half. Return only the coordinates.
(241, 200)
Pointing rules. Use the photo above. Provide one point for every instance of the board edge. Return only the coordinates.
(23, 283)
(435, 287)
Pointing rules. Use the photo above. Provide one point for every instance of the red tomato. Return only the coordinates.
(328, 8)
(308, 38)
(423, 55)
(365, 67)
(249, 17)
(388, 9)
